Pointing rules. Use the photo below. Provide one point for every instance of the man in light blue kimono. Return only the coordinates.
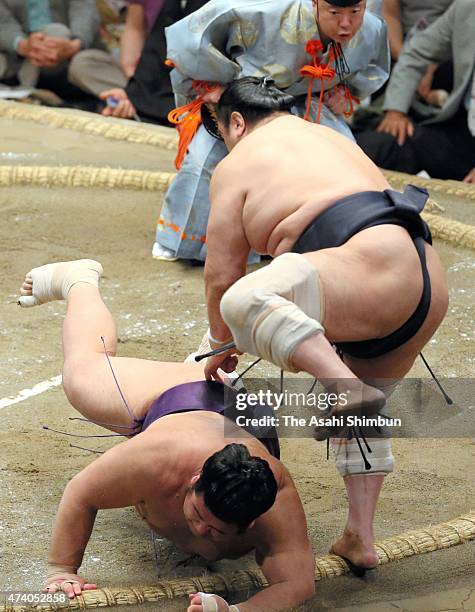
(327, 53)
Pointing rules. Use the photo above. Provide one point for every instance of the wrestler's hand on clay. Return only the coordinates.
(398, 125)
(227, 362)
(208, 602)
(71, 584)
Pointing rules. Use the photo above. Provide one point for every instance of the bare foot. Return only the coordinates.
(353, 548)
(358, 399)
(355, 398)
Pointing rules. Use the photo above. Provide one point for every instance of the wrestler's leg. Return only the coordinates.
(357, 541)
(363, 490)
(363, 487)
(87, 377)
(316, 356)
(275, 313)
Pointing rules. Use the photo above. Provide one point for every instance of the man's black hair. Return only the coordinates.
(236, 487)
(255, 98)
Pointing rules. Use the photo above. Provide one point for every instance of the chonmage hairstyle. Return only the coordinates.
(255, 98)
(236, 487)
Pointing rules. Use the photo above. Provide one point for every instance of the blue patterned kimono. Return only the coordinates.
(229, 39)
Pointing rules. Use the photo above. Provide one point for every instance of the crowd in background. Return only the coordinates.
(109, 56)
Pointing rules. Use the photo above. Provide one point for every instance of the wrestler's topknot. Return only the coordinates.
(237, 487)
(255, 98)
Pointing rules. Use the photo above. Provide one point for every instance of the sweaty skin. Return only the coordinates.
(280, 174)
(155, 470)
(152, 472)
(278, 177)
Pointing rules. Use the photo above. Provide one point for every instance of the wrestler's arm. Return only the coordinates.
(285, 556)
(227, 244)
(112, 481)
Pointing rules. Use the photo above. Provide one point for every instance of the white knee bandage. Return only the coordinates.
(271, 311)
(348, 457)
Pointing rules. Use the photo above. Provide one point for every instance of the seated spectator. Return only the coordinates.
(41, 38)
(406, 17)
(104, 74)
(443, 145)
(149, 92)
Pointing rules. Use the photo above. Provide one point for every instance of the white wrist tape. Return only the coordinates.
(54, 570)
(211, 605)
(217, 343)
(208, 602)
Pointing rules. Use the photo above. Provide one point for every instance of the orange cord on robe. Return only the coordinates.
(187, 118)
(317, 70)
(350, 98)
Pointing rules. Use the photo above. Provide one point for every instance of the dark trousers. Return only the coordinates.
(149, 89)
(444, 150)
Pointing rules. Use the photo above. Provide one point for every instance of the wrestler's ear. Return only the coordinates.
(194, 480)
(237, 123)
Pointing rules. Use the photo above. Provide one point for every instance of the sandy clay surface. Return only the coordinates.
(160, 312)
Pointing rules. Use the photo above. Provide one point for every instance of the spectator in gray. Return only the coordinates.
(406, 17)
(104, 74)
(443, 145)
(41, 36)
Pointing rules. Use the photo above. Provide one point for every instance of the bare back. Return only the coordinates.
(275, 182)
(159, 464)
(289, 171)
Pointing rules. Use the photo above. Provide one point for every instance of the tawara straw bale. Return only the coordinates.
(96, 125)
(91, 177)
(141, 134)
(453, 188)
(395, 548)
